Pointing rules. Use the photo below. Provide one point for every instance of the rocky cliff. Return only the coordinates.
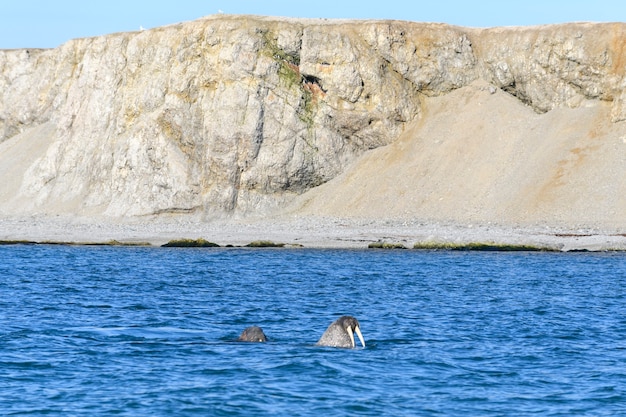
(241, 114)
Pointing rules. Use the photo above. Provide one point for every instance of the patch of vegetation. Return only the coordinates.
(264, 244)
(118, 243)
(307, 114)
(289, 73)
(386, 245)
(112, 242)
(52, 242)
(17, 242)
(289, 63)
(190, 243)
(480, 246)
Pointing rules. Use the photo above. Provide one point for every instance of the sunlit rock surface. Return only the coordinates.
(248, 115)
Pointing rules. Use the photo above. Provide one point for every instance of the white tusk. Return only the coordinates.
(358, 333)
(351, 333)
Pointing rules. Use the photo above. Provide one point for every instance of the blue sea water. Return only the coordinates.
(90, 331)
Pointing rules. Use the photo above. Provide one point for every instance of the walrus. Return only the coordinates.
(341, 333)
(252, 334)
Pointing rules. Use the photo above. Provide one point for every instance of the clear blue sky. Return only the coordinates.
(49, 23)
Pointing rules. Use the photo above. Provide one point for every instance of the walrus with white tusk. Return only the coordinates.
(341, 333)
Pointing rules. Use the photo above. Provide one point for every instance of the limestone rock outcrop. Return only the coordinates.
(240, 114)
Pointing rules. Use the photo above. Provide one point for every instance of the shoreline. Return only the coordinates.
(299, 231)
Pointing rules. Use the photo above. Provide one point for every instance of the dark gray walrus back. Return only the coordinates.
(253, 334)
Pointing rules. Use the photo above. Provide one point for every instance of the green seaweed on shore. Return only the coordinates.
(117, 243)
(64, 243)
(112, 242)
(386, 245)
(264, 244)
(17, 242)
(480, 246)
(190, 243)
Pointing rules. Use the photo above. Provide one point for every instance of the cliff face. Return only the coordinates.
(240, 114)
